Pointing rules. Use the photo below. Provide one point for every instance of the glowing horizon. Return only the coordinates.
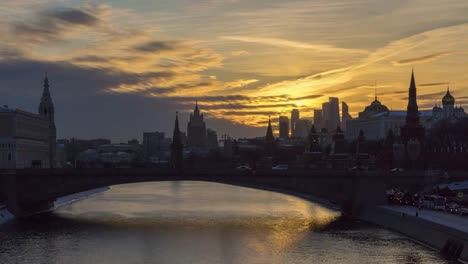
(242, 61)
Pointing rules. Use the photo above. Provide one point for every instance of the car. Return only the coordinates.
(452, 208)
(281, 167)
(397, 170)
(462, 210)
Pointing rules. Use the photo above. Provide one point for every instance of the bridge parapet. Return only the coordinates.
(28, 191)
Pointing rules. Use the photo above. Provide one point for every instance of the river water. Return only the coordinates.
(195, 222)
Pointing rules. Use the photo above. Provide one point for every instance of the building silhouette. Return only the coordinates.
(196, 130)
(448, 110)
(295, 119)
(412, 129)
(155, 145)
(269, 140)
(47, 110)
(283, 127)
(318, 119)
(176, 146)
(345, 116)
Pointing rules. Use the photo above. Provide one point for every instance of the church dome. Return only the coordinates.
(448, 99)
(376, 106)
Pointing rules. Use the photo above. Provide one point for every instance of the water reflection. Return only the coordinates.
(194, 222)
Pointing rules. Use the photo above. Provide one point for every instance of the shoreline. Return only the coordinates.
(422, 231)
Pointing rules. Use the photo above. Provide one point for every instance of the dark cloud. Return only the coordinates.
(433, 84)
(313, 96)
(202, 99)
(74, 16)
(249, 113)
(426, 58)
(71, 79)
(244, 106)
(158, 46)
(429, 96)
(51, 25)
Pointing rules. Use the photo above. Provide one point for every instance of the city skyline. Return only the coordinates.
(117, 70)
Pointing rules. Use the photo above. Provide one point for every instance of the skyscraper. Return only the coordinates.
(284, 127)
(318, 119)
(345, 116)
(47, 110)
(412, 128)
(326, 115)
(334, 113)
(196, 129)
(294, 123)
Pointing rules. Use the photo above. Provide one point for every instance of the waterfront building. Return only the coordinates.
(47, 110)
(24, 140)
(283, 127)
(345, 116)
(156, 145)
(295, 119)
(196, 130)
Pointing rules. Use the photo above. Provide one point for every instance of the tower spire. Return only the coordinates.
(176, 146)
(47, 110)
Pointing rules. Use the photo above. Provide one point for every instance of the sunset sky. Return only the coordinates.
(118, 68)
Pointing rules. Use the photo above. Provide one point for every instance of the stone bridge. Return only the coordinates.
(29, 191)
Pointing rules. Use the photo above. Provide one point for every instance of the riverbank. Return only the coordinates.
(6, 216)
(420, 228)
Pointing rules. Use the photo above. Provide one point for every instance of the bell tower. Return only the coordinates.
(47, 110)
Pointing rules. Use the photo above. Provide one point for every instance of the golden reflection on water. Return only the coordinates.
(270, 222)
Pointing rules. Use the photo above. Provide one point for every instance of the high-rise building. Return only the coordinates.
(412, 128)
(303, 128)
(345, 116)
(196, 130)
(283, 127)
(294, 123)
(326, 115)
(47, 110)
(318, 119)
(334, 114)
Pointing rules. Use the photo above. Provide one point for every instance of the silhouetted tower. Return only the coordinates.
(412, 128)
(361, 141)
(339, 146)
(314, 141)
(269, 140)
(176, 146)
(47, 110)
